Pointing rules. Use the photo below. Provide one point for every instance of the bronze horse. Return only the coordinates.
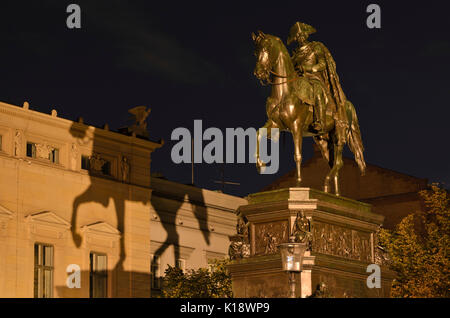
(289, 108)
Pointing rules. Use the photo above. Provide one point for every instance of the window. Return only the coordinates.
(155, 273)
(54, 156)
(31, 150)
(98, 276)
(106, 168)
(43, 271)
(85, 163)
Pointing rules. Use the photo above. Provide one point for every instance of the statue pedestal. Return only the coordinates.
(343, 236)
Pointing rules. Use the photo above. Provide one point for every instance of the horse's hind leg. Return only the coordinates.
(323, 145)
(327, 149)
(337, 163)
(337, 166)
(331, 159)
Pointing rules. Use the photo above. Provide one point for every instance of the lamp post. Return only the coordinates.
(291, 260)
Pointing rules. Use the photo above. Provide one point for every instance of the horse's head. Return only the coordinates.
(268, 49)
(264, 56)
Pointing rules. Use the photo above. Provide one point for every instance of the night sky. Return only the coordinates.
(189, 60)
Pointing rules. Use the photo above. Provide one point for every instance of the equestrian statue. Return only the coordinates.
(307, 100)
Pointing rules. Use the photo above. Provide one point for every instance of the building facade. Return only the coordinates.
(80, 200)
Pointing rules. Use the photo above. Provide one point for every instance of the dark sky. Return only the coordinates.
(190, 60)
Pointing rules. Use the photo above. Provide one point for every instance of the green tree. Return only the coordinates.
(213, 282)
(418, 248)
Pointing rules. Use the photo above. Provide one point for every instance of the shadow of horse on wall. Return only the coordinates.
(168, 218)
(97, 193)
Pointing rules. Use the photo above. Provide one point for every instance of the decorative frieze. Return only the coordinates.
(43, 150)
(96, 163)
(340, 241)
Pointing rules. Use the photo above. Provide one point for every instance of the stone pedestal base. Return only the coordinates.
(342, 231)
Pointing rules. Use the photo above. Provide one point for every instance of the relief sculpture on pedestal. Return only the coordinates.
(340, 241)
(269, 235)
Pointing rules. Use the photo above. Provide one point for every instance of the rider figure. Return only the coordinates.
(314, 62)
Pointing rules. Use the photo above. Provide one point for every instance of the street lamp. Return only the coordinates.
(291, 260)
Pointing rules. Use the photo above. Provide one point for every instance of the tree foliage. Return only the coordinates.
(418, 248)
(213, 282)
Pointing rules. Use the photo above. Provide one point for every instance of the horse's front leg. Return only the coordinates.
(267, 131)
(259, 163)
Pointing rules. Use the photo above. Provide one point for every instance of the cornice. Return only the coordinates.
(53, 121)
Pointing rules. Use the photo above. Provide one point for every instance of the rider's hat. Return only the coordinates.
(299, 28)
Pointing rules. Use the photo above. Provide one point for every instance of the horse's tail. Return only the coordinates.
(354, 138)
